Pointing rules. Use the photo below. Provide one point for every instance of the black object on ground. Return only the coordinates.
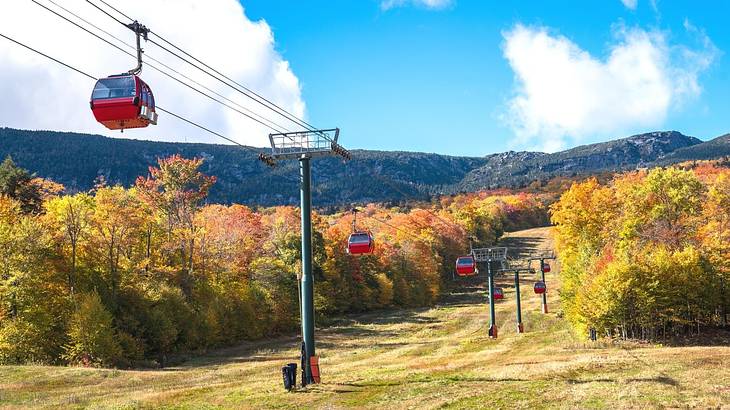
(304, 365)
(292, 374)
(285, 374)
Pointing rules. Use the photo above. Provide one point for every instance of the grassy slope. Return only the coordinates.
(421, 358)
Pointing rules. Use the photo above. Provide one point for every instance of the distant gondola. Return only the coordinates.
(498, 294)
(466, 266)
(360, 243)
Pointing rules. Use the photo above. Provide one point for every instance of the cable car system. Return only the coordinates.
(360, 243)
(124, 101)
(497, 261)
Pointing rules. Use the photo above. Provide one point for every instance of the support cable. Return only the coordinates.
(108, 14)
(115, 9)
(392, 226)
(266, 103)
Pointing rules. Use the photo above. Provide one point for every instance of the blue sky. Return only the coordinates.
(461, 77)
(436, 79)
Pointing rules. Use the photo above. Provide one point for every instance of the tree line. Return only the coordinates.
(127, 276)
(647, 255)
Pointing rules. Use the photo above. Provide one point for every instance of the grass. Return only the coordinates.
(419, 358)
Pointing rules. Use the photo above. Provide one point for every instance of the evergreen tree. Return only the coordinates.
(17, 183)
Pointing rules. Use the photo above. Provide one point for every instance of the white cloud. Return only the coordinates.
(631, 4)
(39, 94)
(428, 4)
(564, 94)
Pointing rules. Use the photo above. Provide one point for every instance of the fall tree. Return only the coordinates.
(69, 216)
(175, 190)
(645, 256)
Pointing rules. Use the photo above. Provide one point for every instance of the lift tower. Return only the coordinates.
(542, 258)
(517, 267)
(489, 255)
(303, 146)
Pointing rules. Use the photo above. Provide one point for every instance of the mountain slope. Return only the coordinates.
(75, 160)
(516, 169)
(714, 148)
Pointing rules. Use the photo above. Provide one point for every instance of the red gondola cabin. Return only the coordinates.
(123, 101)
(540, 288)
(546, 267)
(498, 294)
(360, 243)
(466, 266)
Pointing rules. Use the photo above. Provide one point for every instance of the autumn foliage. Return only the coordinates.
(648, 254)
(129, 276)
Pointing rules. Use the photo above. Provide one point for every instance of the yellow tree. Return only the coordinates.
(583, 218)
(69, 216)
(715, 236)
(32, 295)
(115, 226)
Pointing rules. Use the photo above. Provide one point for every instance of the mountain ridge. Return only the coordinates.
(76, 160)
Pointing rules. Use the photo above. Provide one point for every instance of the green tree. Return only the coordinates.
(92, 339)
(17, 183)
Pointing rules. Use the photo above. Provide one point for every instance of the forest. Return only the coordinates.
(130, 276)
(647, 254)
(76, 160)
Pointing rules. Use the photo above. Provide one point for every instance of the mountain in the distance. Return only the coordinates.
(517, 169)
(714, 148)
(76, 160)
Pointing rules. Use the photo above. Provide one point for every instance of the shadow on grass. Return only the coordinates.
(577, 381)
(521, 246)
(371, 325)
(711, 337)
(658, 379)
(662, 378)
(456, 378)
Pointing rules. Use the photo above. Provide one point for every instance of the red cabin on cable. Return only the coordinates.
(466, 266)
(123, 101)
(360, 243)
(498, 294)
(546, 267)
(540, 288)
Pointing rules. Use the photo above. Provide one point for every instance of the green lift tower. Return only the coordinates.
(304, 146)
